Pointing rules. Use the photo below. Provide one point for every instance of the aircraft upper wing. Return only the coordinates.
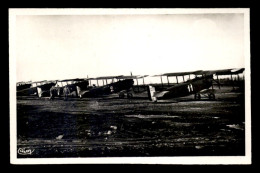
(106, 77)
(142, 76)
(132, 77)
(116, 77)
(237, 71)
(22, 83)
(181, 73)
(206, 72)
(217, 72)
(40, 81)
(66, 80)
(223, 71)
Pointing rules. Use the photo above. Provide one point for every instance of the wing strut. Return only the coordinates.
(218, 82)
(161, 81)
(137, 84)
(232, 82)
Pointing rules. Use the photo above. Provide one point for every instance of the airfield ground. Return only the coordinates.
(107, 127)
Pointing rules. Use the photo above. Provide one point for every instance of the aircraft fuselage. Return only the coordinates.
(109, 89)
(190, 87)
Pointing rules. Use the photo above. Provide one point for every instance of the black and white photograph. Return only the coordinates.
(140, 86)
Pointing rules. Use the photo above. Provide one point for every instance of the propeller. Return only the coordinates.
(213, 80)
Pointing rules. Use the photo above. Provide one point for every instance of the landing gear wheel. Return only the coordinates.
(121, 95)
(197, 97)
(129, 95)
(212, 96)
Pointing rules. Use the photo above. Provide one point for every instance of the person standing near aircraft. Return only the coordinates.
(52, 93)
(66, 92)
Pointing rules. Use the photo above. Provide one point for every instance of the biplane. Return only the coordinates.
(39, 88)
(119, 84)
(83, 88)
(198, 86)
(74, 86)
(23, 85)
(43, 87)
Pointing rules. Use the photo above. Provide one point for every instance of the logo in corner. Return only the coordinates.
(25, 151)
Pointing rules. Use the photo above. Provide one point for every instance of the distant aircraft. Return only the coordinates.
(39, 88)
(196, 86)
(82, 88)
(23, 85)
(74, 85)
(122, 86)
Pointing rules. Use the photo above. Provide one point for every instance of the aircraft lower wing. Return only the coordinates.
(81, 93)
(160, 94)
(205, 91)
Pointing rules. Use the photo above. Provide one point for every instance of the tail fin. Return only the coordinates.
(151, 93)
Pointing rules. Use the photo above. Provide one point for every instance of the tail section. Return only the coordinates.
(151, 93)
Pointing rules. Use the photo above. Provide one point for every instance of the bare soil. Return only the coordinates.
(109, 126)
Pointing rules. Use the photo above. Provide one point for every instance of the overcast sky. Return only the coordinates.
(72, 46)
